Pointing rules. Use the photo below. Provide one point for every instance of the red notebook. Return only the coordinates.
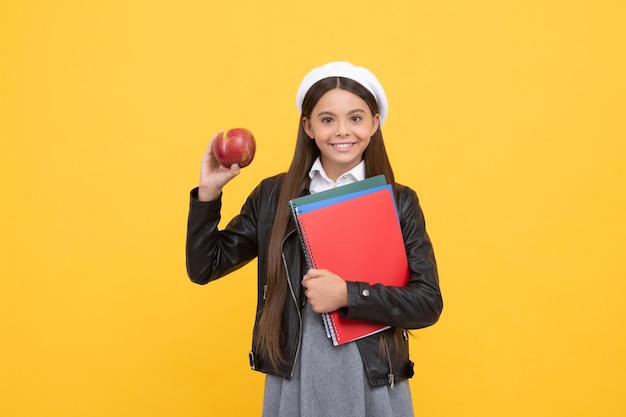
(357, 237)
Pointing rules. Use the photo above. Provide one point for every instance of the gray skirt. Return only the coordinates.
(330, 381)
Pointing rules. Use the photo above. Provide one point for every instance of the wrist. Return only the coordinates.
(209, 193)
(345, 302)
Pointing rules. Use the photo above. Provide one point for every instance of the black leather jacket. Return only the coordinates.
(212, 254)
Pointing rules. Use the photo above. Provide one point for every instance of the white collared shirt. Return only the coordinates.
(321, 182)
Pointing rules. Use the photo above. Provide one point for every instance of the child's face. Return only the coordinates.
(341, 124)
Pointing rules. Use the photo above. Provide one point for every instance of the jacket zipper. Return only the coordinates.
(391, 379)
(295, 301)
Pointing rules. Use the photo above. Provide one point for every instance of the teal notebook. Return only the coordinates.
(305, 208)
(365, 184)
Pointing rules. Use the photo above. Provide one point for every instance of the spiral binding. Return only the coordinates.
(335, 335)
(305, 245)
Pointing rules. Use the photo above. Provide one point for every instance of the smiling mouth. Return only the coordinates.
(342, 146)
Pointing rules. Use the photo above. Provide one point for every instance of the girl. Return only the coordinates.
(339, 141)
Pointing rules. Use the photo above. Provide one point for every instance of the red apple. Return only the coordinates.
(235, 146)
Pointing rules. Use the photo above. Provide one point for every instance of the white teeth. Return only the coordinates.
(342, 145)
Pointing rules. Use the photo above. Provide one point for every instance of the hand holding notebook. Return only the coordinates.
(325, 291)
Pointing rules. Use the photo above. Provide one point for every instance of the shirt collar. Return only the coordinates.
(358, 172)
(320, 181)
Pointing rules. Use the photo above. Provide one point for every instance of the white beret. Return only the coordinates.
(345, 69)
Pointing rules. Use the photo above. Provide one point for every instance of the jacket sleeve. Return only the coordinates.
(419, 303)
(213, 253)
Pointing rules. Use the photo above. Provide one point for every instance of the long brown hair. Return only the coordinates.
(294, 184)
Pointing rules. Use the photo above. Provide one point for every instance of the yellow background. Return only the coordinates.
(507, 117)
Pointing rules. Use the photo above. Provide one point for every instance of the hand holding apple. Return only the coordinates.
(234, 146)
(214, 175)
